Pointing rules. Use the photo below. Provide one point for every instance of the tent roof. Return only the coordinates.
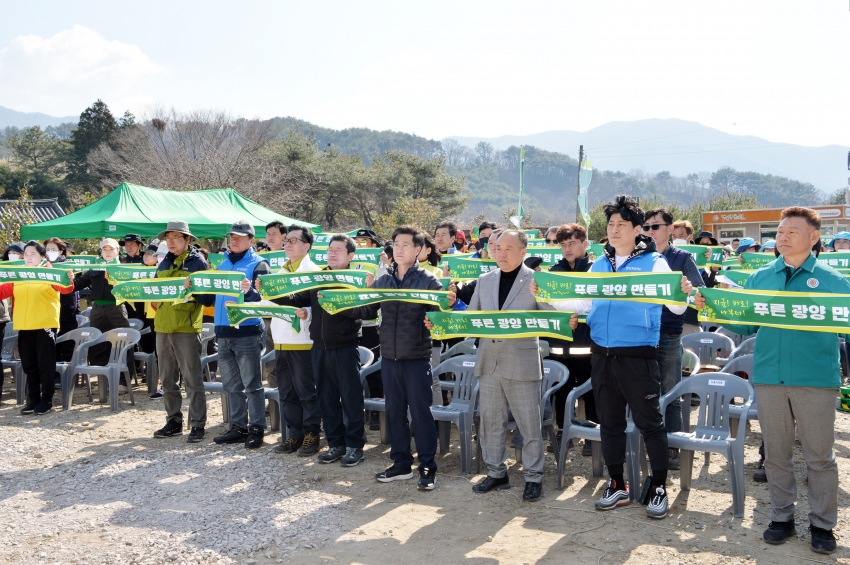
(146, 211)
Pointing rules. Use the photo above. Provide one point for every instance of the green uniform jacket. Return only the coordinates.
(794, 357)
(179, 317)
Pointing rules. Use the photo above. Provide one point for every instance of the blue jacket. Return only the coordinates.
(620, 323)
(247, 265)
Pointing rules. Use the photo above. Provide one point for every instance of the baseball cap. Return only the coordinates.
(368, 234)
(130, 237)
(108, 241)
(241, 228)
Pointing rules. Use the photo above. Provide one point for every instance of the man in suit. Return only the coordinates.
(509, 370)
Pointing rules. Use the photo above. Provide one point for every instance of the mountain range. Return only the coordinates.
(683, 147)
(17, 119)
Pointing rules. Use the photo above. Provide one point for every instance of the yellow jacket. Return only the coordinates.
(36, 305)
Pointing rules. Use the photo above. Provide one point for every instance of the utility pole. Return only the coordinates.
(578, 184)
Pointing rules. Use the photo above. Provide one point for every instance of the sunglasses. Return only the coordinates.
(654, 227)
(552, 241)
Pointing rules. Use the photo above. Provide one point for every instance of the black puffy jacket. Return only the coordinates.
(403, 332)
(581, 335)
(328, 331)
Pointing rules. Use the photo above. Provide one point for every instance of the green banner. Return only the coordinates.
(598, 250)
(816, 312)
(737, 276)
(836, 259)
(228, 283)
(537, 242)
(82, 259)
(699, 251)
(150, 290)
(333, 301)
(283, 284)
(216, 259)
(46, 275)
(502, 324)
(549, 254)
(655, 288)
(372, 255)
(17, 263)
(753, 261)
(122, 273)
(276, 259)
(238, 313)
(462, 268)
(445, 281)
(732, 263)
(323, 239)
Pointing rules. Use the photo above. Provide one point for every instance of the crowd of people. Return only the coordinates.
(630, 351)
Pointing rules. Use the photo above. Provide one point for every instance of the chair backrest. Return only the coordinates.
(466, 383)
(716, 392)
(366, 356)
(746, 347)
(120, 339)
(82, 321)
(708, 345)
(136, 324)
(737, 339)
(553, 373)
(10, 341)
(691, 360)
(86, 312)
(544, 349)
(570, 407)
(79, 336)
(741, 364)
(207, 333)
(708, 326)
(465, 347)
(366, 371)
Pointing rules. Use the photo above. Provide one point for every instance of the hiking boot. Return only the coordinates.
(29, 407)
(171, 428)
(353, 456)
(196, 435)
(332, 454)
(657, 507)
(614, 496)
(394, 474)
(532, 492)
(823, 541)
(234, 435)
(673, 459)
(309, 445)
(492, 483)
(777, 532)
(760, 476)
(587, 449)
(427, 478)
(255, 437)
(43, 407)
(291, 445)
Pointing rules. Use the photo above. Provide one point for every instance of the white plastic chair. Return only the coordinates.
(122, 341)
(461, 410)
(709, 346)
(78, 336)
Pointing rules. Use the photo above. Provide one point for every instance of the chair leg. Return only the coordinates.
(274, 416)
(225, 408)
(736, 471)
(67, 388)
(112, 381)
(385, 436)
(20, 383)
(686, 468)
(634, 458)
(598, 461)
(518, 455)
(130, 388)
(444, 433)
(465, 432)
(562, 456)
(476, 423)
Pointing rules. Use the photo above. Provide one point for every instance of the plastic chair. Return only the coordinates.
(122, 341)
(275, 408)
(461, 410)
(709, 346)
(374, 404)
(746, 347)
(66, 378)
(465, 347)
(82, 321)
(690, 360)
(743, 364)
(9, 359)
(86, 312)
(737, 339)
(574, 430)
(708, 326)
(544, 349)
(207, 334)
(366, 356)
(713, 433)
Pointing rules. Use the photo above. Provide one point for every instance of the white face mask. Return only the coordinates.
(52, 255)
(14, 257)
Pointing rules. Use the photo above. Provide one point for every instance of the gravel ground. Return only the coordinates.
(90, 487)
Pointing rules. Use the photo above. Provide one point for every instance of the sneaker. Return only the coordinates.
(427, 478)
(309, 445)
(587, 449)
(255, 437)
(196, 434)
(394, 474)
(43, 408)
(332, 454)
(234, 435)
(157, 395)
(291, 445)
(171, 428)
(777, 532)
(673, 459)
(657, 507)
(760, 476)
(353, 456)
(29, 407)
(613, 497)
(823, 541)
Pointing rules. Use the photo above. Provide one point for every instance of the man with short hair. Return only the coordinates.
(683, 231)
(336, 365)
(178, 336)
(669, 353)
(735, 243)
(132, 244)
(796, 377)
(275, 232)
(485, 230)
(239, 349)
(445, 237)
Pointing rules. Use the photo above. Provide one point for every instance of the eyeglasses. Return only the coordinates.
(654, 227)
(293, 241)
(335, 250)
(174, 238)
(402, 246)
(551, 241)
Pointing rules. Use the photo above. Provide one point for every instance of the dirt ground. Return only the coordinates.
(89, 486)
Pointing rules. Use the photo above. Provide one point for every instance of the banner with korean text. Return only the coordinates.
(284, 284)
(501, 324)
(656, 288)
(333, 301)
(238, 313)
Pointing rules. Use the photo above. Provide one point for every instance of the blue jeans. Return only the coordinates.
(242, 378)
(669, 359)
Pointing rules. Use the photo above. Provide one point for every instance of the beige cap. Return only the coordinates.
(108, 241)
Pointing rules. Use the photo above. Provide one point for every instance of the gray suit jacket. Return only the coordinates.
(517, 359)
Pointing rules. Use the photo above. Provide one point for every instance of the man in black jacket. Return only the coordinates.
(406, 360)
(336, 365)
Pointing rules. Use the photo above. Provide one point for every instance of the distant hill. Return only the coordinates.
(17, 119)
(682, 147)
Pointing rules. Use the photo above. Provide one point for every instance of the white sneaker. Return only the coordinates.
(657, 507)
(613, 498)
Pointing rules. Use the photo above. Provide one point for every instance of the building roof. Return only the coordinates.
(43, 209)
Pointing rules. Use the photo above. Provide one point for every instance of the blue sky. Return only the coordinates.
(777, 69)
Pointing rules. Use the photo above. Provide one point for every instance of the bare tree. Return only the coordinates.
(456, 154)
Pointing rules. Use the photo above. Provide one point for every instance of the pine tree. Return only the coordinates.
(97, 125)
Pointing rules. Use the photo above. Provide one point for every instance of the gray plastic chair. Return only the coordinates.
(207, 334)
(82, 321)
(709, 346)
(743, 364)
(713, 434)
(544, 349)
(461, 410)
(366, 356)
(66, 378)
(374, 404)
(122, 340)
(465, 347)
(9, 359)
(746, 347)
(572, 430)
(737, 339)
(708, 326)
(691, 360)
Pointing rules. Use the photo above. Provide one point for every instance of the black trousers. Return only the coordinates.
(38, 360)
(580, 369)
(620, 381)
(65, 350)
(106, 318)
(340, 395)
(296, 384)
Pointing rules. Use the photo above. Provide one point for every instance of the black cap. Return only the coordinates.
(151, 248)
(533, 262)
(368, 234)
(241, 228)
(131, 237)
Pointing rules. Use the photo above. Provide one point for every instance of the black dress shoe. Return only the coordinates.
(491, 483)
(234, 435)
(532, 492)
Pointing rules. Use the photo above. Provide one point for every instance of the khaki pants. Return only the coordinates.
(181, 353)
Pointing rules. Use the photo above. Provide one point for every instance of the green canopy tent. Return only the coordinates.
(138, 209)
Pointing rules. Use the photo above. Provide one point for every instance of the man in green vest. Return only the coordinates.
(178, 336)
